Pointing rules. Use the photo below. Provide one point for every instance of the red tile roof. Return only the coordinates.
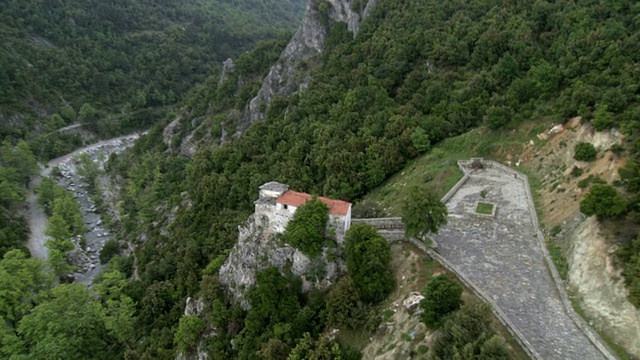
(294, 198)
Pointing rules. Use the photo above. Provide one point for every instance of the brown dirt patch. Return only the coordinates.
(552, 162)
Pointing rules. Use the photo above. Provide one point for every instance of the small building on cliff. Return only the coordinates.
(278, 204)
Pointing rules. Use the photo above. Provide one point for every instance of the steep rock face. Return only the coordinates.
(599, 285)
(257, 249)
(288, 76)
(195, 307)
(291, 73)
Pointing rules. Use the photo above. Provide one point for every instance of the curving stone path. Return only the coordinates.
(503, 257)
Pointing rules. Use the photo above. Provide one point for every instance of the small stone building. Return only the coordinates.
(278, 204)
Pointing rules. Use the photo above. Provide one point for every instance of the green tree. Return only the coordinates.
(368, 255)
(344, 307)
(498, 116)
(20, 159)
(420, 140)
(109, 250)
(89, 170)
(88, 115)
(441, 297)
(58, 262)
(306, 230)
(189, 330)
(69, 326)
(22, 279)
(311, 349)
(274, 349)
(585, 152)
(47, 193)
(467, 335)
(423, 213)
(604, 201)
(602, 118)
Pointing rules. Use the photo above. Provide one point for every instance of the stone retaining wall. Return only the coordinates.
(381, 223)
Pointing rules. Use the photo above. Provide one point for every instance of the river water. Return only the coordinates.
(96, 234)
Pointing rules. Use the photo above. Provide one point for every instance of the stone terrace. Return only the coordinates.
(502, 256)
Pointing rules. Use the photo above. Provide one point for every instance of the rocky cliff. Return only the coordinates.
(292, 71)
(599, 286)
(288, 76)
(257, 250)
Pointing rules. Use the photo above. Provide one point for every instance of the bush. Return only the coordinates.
(344, 308)
(604, 201)
(590, 180)
(368, 255)
(188, 333)
(467, 334)
(306, 230)
(576, 171)
(109, 250)
(441, 297)
(585, 152)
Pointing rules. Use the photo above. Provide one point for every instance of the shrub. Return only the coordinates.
(585, 152)
(442, 297)
(306, 230)
(576, 171)
(188, 333)
(344, 308)
(616, 149)
(604, 201)
(368, 255)
(469, 331)
(590, 180)
(109, 250)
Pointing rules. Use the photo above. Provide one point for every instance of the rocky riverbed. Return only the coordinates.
(85, 258)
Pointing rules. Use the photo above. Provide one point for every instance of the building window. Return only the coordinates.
(285, 206)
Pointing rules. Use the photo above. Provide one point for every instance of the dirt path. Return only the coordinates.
(37, 224)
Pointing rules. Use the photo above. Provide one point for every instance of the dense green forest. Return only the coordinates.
(417, 72)
(116, 66)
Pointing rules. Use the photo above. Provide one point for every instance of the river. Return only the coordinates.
(96, 234)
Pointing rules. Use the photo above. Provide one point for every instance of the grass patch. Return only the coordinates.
(387, 315)
(437, 170)
(558, 259)
(484, 208)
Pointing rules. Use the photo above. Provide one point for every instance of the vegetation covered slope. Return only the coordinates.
(123, 59)
(417, 72)
(114, 66)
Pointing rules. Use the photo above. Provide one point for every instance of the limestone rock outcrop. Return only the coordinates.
(291, 73)
(258, 249)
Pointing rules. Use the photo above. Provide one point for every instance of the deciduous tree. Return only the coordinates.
(306, 230)
(604, 201)
(423, 213)
(368, 255)
(441, 297)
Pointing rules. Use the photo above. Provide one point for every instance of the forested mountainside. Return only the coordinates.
(418, 71)
(114, 66)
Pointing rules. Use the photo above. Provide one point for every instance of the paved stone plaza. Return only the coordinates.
(502, 256)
